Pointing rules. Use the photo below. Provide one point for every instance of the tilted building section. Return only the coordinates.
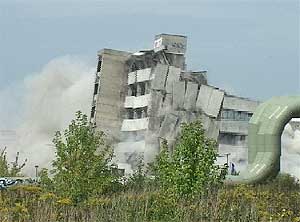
(141, 98)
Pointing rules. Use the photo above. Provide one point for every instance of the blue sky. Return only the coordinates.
(248, 46)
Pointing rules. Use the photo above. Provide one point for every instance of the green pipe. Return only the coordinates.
(264, 139)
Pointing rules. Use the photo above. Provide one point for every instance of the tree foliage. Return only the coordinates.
(82, 167)
(191, 168)
(10, 170)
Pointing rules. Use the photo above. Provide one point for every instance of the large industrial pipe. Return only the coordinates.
(264, 139)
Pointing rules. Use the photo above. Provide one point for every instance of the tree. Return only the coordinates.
(7, 170)
(82, 167)
(4, 168)
(191, 168)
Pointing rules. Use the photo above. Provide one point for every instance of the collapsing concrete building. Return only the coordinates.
(141, 98)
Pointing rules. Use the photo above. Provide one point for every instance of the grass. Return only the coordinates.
(278, 200)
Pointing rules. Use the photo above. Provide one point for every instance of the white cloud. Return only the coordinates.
(50, 99)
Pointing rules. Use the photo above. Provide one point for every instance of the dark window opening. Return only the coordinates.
(242, 138)
(250, 115)
(132, 90)
(231, 139)
(228, 114)
(130, 114)
(96, 88)
(244, 116)
(137, 114)
(141, 89)
(99, 65)
(93, 112)
(140, 65)
(133, 67)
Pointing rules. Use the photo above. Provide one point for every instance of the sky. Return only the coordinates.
(250, 47)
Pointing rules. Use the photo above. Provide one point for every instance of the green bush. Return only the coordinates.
(190, 169)
(82, 167)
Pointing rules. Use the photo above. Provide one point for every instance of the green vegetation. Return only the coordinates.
(190, 169)
(81, 170)
(10, 170)
(278, 200)
(185, 186)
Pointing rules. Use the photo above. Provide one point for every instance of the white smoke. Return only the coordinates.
(290, 156)
(51, 98)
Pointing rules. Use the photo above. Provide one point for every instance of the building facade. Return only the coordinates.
(141, 98)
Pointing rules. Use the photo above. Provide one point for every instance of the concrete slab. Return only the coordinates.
(191, 96)
(143, 75)
(154, 124)
(211, 126)
(209, 100)
(236, 127)
(168, 126)
(155, 103)
(137, 101)
(215, 103)
(241, 104)
(178, 95)
(131, 78)
(135, 124)
(160, 74)
(173, 75)
(166, 104)
(203, 97)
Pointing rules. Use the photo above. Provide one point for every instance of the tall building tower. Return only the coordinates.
(141, 98)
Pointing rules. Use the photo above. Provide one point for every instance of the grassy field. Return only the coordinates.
(275, 201)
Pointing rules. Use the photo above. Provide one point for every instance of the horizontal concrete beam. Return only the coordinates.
(241, 104)
(137, 101)
(236, 127)
(135, 124)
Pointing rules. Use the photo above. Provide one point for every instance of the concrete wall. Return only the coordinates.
(235, 127)
(241, 104)
(111, 95)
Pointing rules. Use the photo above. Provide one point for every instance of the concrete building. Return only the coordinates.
(143, 97)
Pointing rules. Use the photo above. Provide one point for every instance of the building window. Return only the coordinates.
(133, 67)
(132, 90)
(243, 138)
(231, 139)
(244, 116)
(130, 114)
(224, 114)
(237, 115)
(249, 116)
(96, 88)
(93, 112)
(137, 114)
(227, 114)
(230, 114)
(142, 88)
(99, 64)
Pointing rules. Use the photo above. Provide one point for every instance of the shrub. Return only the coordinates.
(82, 167)
(191, 169)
